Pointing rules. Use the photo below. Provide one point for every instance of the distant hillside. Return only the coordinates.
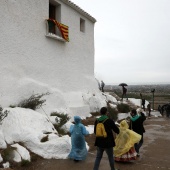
(161, 95)
(159, 88)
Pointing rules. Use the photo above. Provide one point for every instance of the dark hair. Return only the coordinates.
(103, 110)
(133, 111)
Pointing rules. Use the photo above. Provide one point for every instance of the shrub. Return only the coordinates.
(7, 153)
(112, 112)
(60, 130)
(123, 108)
(12, 106)
(1, 109)
(64, 118)
(34, 102)
(3, 114)
(25, 162)
(54, 114)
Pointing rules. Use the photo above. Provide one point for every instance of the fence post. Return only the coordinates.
(153, 91)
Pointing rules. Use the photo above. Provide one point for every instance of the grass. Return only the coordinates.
(167, 97)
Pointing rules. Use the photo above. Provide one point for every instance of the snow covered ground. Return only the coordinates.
(24, 129)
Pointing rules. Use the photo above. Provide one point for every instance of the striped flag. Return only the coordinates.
(63, 29)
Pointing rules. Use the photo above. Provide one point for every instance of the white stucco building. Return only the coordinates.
(35, 58)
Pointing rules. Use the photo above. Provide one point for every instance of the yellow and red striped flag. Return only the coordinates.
(63, 29)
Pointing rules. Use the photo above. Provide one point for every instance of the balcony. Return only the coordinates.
(57, 30)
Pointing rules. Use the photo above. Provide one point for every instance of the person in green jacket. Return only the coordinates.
(105, 143)
(136, 124)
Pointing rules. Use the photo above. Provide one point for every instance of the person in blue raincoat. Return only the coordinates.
(78, 149)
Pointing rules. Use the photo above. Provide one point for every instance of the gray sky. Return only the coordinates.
(132, 40)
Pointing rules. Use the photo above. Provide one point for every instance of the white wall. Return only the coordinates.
(31, 62)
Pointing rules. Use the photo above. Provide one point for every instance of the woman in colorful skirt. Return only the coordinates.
(124, 150)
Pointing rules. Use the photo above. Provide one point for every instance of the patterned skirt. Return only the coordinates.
(128, 156)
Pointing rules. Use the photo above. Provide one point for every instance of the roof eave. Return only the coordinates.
(78, 9)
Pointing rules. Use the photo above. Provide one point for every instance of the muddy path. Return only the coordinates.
(154, 153)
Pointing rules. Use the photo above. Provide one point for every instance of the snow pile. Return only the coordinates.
(20, 153)
(29, 127)
(24, 129)
(95, 101)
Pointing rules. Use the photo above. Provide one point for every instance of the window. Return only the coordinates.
(82, 25)
(55, 29)
(54, 13)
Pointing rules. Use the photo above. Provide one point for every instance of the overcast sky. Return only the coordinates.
(132, 40)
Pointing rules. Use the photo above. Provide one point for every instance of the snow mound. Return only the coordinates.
(29, 127)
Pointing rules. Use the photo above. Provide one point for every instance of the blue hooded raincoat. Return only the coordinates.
(78, 131)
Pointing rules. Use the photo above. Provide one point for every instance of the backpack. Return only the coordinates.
(100, 129)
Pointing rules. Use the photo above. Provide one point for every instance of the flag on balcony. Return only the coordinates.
(63, 28)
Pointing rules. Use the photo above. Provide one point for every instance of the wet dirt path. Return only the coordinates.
(154, 153)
